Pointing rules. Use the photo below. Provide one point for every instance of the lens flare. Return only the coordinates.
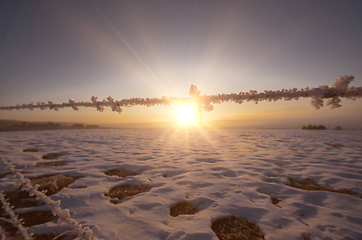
(186, 114)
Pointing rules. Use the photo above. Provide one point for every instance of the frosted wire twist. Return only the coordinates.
(3, 236)
(63, 214)
(14, 218)
(339, 89)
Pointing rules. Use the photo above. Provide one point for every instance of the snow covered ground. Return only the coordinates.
(221, 172)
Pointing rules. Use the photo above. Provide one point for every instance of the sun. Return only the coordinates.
(186, 114)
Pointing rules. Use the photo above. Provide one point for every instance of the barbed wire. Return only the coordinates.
(14, 219)
(83, 233)
(339, 89)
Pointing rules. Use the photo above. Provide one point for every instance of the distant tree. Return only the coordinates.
(314, 127)
(338, 128)
(78, 125)
(92, 126)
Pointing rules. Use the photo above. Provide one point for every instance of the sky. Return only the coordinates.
(61, 50)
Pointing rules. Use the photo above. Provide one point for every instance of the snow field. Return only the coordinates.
(221, 172)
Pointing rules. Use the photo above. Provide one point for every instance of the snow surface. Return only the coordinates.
(221, 172)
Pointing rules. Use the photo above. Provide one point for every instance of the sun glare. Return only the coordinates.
(186, 114)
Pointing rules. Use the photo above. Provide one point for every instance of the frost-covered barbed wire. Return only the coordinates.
(100, 105)
(63, 214)
(14, 218)
(339, 89)
(2, 232)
